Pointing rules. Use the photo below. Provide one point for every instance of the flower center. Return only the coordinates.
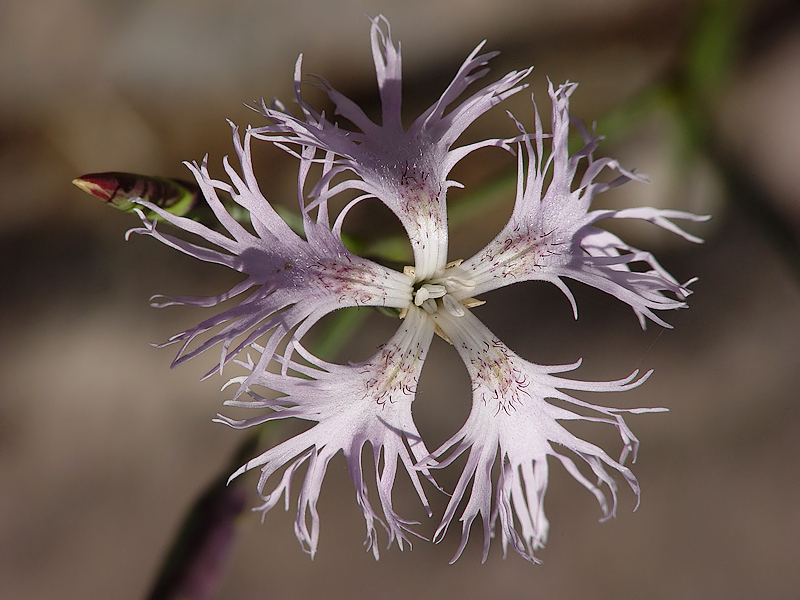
(449, 290)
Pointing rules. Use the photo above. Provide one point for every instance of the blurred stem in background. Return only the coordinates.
(197, 562)
(690, 96)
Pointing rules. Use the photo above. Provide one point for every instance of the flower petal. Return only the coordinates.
(511, 415)
(406, 170)
(292, 281)
(351, 406)
(550, 234)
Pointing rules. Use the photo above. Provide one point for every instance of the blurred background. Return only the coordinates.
(103, 449)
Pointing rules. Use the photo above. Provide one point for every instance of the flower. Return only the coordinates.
(293, 280)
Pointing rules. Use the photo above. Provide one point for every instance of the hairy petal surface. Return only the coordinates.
(367, 402)
(512, 418)
(551, 233)
(406, 170)
(292, 281)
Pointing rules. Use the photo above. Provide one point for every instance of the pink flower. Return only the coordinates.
(294, 280)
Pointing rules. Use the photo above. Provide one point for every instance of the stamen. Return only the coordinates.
(430, 306)
(428, 291)
(450, 286)
(458, 284)
(453, 306)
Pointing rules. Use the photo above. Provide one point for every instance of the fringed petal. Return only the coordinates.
(551, 233)
(406, 170)
(367, 402)
(292, 281)
(512, 418)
